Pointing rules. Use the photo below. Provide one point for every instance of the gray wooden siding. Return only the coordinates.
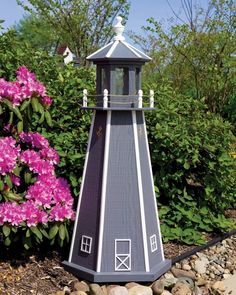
(88, 221)
(150, 207)
(122, 212)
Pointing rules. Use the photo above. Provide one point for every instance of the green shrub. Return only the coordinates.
(193, 171)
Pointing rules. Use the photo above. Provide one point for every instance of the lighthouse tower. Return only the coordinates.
(117, 233)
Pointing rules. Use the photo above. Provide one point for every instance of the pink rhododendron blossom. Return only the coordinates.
(50, 154)
(9, 153)
(15, 179)
(59, 213)
(35, 139)
(25, 87)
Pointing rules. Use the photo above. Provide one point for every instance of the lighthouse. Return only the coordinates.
(116, 235)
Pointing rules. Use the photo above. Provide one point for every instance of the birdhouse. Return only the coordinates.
(117, 234)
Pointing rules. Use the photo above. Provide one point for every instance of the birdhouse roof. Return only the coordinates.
(119, 49)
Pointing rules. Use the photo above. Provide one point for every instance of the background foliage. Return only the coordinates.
(191, 142)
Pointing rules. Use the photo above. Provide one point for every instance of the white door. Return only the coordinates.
(122, 255)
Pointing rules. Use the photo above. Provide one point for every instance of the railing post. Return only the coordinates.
(151, 99)
(85, 98)
(140, 98)
(105, 98)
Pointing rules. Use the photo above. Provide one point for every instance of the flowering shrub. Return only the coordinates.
(33, 201)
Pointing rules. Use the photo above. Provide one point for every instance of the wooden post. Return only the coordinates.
(151, 99)
(105, 99)
(140, 98)
(85, 98)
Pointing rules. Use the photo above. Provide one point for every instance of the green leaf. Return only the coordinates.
(35, 104)
(7, 242)
(62, 232)
(27, 177)
(1, 185)
(36, 231)
(186, 165)
(53, 231)
(20, 126)
(8, 181)
(41, 120)
(43, 231)
(28, 234)
(25, 104)
(6, 230)
(48, 118)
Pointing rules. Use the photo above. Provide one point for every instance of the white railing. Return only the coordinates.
(139, 100)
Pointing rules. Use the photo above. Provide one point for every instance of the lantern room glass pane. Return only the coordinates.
(137, 79)
(104, 79)
(121, 81)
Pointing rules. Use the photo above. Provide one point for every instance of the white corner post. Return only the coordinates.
(140, 98)
(151, 99)
(85, 98)
(105, 99)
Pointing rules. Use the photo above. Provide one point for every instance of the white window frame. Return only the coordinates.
(153, 243)
(123, 259)
(86, 244)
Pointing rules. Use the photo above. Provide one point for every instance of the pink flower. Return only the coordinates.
(35, 139)
(60, 213)
(46, 100)
(9, 153)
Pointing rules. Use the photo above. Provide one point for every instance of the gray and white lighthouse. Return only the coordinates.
(117, 233)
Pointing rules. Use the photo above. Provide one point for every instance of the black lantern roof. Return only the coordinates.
(118, 49)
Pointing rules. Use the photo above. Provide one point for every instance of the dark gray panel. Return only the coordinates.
(89, 215)
(102, 277)
(150, 208)
(122, 212)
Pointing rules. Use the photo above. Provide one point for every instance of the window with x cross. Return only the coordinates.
(122, 255)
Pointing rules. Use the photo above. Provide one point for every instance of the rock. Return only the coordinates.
(66, 290)
(226, 275)
(200, 266)
(109, 287)
(212, 275)
(118, 290)
(183, 273)
(169, 283)
(81, 286)
(219, 286)
(165, 292)
(186, 267)
(201, 282)
(197, 290)
(158, 287)
(60, 293)
(140, 290)
(168, 275)
(95, 289)
(181, 289)
(131, 284)
(104, 289)
(78, 293)
(187, 281)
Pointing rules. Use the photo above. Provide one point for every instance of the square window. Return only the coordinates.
(86, 244)
(153, 243)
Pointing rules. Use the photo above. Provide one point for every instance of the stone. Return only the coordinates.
(165, 292)
(226, 275)
(109, 287)
(140, 290)
(200, 266)
(181, 289)
(78, 293)
(131, 284)
(201, 282)
(197, 290)
(219, 286)
(81, 286)
(60, 293)
(158, 287)
(183, 273)
(95, 289)
(186, 267)
(169, 283)
(187, 281)
(118, 290)
(104, 289)
(168, 275)
(66, 290)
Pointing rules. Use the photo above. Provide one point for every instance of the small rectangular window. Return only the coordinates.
(153, 243)
(86, 244)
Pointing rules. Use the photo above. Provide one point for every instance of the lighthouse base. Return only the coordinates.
(101, 277)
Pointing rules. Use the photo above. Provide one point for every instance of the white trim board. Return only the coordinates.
(140, 189)
(104, 189)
